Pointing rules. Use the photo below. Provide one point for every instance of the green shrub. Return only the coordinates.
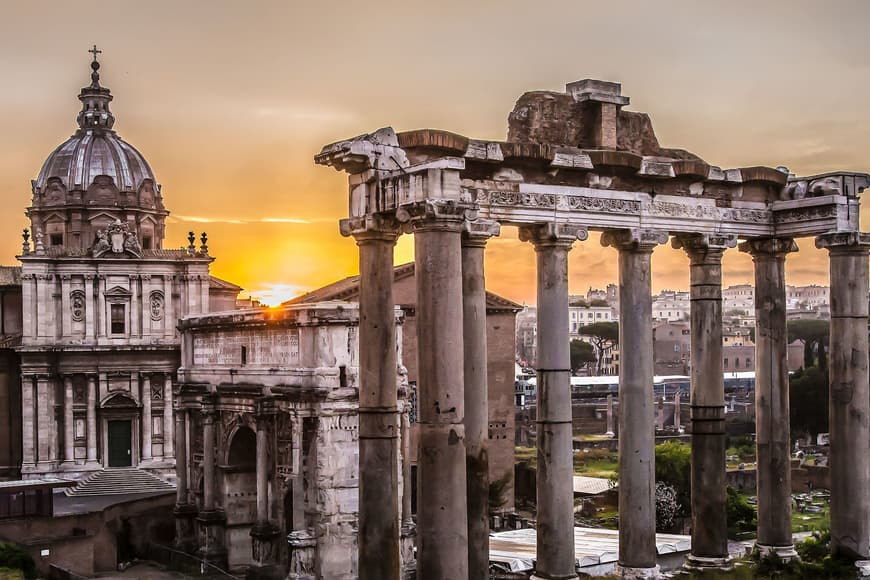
(741, 515)
(12, 556)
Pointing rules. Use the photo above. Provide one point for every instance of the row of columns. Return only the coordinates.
(448, 530)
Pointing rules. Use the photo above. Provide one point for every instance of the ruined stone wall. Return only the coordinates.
(500, 378)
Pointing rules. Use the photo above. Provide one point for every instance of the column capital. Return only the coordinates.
(703, 243)
(370, 228)
(553, 234)
(844, 242)
(478, 232)
(634, 239)
(768, 247)
(265, 408)
(436, 215)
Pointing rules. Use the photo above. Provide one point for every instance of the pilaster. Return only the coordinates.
(68, 418)
(265, 532)
(147, 421)
(91, 419)
(211, 519)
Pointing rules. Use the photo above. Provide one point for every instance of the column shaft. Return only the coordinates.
(709, 524)
(28, 424)
(168, 422)
(208, 459)
(92, 419)
(772, 422)
(44, 418)
(637, 522)
(146, 417)
(555, 475)
(849, 419)
(378, 436)
(476, 405)
(68, 427)
(262, 471)
(442, 517)
(181, 456)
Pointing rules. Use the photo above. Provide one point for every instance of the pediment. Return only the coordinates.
(117, 292)
(119, 400)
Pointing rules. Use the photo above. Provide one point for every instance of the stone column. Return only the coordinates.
(135, 307)
(92, 419)
(66, 311)
(849, 418)
(610, 431)
(68, 426)
(169, 317)
(44, 420)
(28, 424)
(264, 533)
(771, 396)
(90, 307)
(168, 422)
(185, 511)
(378, 414)
(555, 476)
(146, 417)
(637, 523)
(407, 516)
(442, 517)
(210, 518)
(476, 393)
(709, 525)
(102, 309)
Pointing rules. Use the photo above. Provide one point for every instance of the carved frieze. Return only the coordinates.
(805, 213)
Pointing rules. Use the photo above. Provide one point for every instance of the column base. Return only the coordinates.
(185, 530)
(701, 563)
(863, 567)
(535, 576)
(785, 553)
(637, 573)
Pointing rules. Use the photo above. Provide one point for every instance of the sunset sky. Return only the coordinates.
(230, 100)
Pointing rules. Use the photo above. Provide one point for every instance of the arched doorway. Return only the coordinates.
(120, 427)
(240, 495)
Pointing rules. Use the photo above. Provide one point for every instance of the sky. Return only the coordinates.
(230, 100)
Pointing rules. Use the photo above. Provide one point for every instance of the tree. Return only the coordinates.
(674, 467)
(808, 401)
(814, 334)
(603, 334)
(667, 507)
(740, 514)
(582, 353)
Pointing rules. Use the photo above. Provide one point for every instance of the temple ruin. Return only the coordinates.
(576, 162)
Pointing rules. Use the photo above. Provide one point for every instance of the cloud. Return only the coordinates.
(176, 218)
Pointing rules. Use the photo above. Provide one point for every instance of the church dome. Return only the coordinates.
(95, 153)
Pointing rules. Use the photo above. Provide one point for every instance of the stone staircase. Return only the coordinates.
(119, 480)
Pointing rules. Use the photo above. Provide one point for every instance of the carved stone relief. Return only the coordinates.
(77, 305)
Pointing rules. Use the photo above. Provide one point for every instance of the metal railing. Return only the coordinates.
(187, 564)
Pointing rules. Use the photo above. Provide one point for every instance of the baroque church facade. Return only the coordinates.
(100, 300)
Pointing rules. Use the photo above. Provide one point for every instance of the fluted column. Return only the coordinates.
(28, 424)
(379, 532)
(146, 417)
(442, 517)
(849, 417)
(637, 525)
(772, 423)
(44, 420)
(68, 427)
(90, 307)
(555, 475)
(210, 518)
(92, 419)
(265, 532)
(709, 524)
(168, 422)
(476, 393)
(185, 511)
